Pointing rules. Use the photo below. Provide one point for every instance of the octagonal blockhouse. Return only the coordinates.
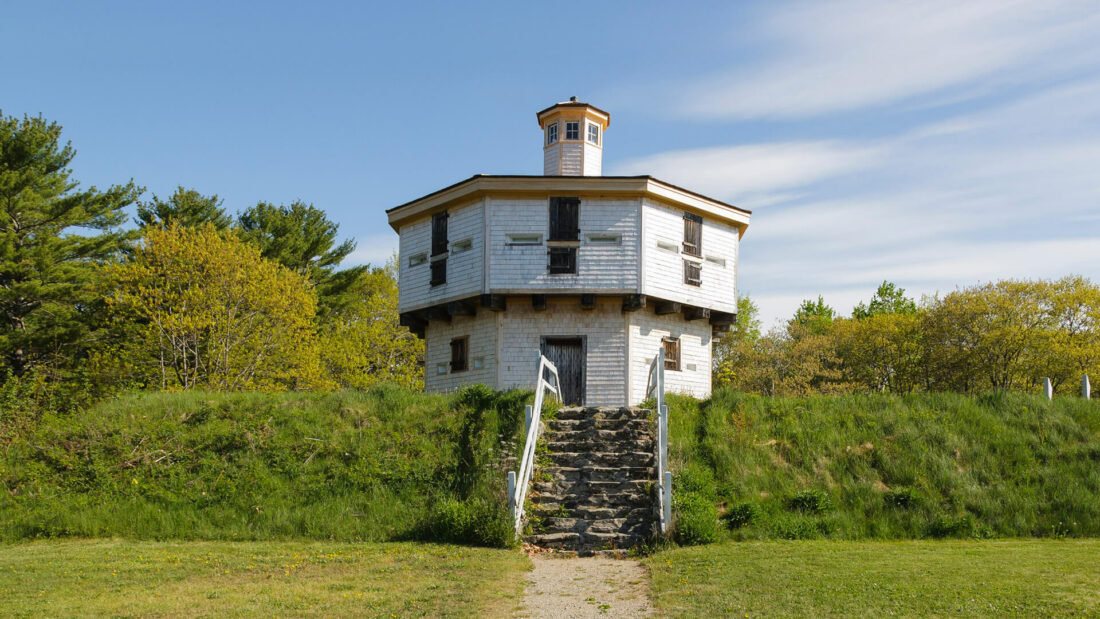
(597, 272)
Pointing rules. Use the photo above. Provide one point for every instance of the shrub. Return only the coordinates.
(742, 514)
(473, 521)
(795, 527)
(951, 526)
(901, 498)
(698, 480)
(810, 501)
(697, 520)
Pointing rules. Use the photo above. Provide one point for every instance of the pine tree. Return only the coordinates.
(301, 238)
(186, 207)
(53, 237)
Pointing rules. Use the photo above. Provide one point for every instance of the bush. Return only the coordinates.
(473, 521)
(810, 501)
(795, 527)
(698, 480)
(952, 526)
(742, 514)
(697, 520)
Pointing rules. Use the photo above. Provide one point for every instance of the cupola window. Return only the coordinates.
(573, 131)
(594, 134)
(552, 133)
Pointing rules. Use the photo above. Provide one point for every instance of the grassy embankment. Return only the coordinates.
(945, 578)
(385, 464)
(885, 467)
(128, 578)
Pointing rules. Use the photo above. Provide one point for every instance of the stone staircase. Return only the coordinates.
(593, 487)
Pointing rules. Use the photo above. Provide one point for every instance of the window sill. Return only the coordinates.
(552, 243)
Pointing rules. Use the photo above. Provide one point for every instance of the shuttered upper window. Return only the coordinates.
(672, 353)
(439, 272)
(459, 352)
(439, 233)
(565, 216)
(693, 273)
(563, 260)
(693, 235)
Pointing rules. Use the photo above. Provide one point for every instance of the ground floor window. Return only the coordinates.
(672, 353)
(460, 349)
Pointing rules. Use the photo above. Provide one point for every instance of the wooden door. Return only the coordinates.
(567, 354)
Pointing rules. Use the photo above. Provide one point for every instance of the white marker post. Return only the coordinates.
(1048, 389)
(1086, 389)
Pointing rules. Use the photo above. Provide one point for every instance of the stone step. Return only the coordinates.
(553, 510)
(603, 459)
(614, 474)
(593, 434)
(587, 542)
(599, 424)
(571, 499)
(603, 413)
(616, 447)
(641, 486)
(635, 526)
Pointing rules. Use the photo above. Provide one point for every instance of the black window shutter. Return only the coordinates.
(565, 219)
(439, 272)
(458, 354)
(439, 233)
(693, 234)
(672, 353)
(563, 260)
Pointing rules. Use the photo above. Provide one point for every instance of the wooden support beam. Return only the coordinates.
(722, 318)
(414, 322)
(494, 302)
(588, 301)
(462, 308)
(538, 301)
(719, 330)
(633, 302)
(439, 312)
(695, 313)
(666, 307)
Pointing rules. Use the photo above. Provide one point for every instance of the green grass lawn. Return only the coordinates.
(115, 578)
(926, 578)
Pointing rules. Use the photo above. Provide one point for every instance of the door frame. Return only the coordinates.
(584, 360)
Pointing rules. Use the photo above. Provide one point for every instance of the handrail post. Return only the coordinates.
(512, 493)
(527, 412)
(666, 517)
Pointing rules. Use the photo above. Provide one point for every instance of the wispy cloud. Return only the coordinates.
(762, 173)
(831, 57)
(374, 249)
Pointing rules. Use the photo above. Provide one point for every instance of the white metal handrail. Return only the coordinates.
(655, 387)
(517, 492)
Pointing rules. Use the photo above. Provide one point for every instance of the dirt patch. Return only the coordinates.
(589, 587)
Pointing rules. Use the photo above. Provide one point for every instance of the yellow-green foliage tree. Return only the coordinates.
(362, 342)
(204, 310)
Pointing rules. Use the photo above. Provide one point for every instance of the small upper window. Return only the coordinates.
(552, 133)
(594, 134)
(573, 131)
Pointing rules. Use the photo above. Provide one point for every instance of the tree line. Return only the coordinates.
(1006, 335)
(189, 296)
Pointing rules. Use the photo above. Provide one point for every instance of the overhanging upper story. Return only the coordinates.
(488, 237)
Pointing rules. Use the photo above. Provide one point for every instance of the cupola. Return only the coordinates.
(572, 138)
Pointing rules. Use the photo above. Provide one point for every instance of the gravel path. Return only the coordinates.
(589, 587)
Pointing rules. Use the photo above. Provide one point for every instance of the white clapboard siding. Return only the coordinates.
(572, 158)
(593, 157)
(551, 157)
(646, 332)
(483, 333)
(600, 267)
(664, 268)
(464, 270)
(604, 330)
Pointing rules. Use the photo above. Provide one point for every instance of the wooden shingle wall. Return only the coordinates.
(646, 332)
(464, 269)
(482, 331)
(600, 267)
(664, 259)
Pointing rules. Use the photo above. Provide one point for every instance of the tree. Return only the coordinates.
(207, 311)
(814, 316)
(185, 207)
(301, 238)
(732, 352)
(888, 299)
(881, 352)
(53, 239)
(362, 342)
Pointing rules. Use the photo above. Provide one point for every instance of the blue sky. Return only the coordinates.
(933, 144)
